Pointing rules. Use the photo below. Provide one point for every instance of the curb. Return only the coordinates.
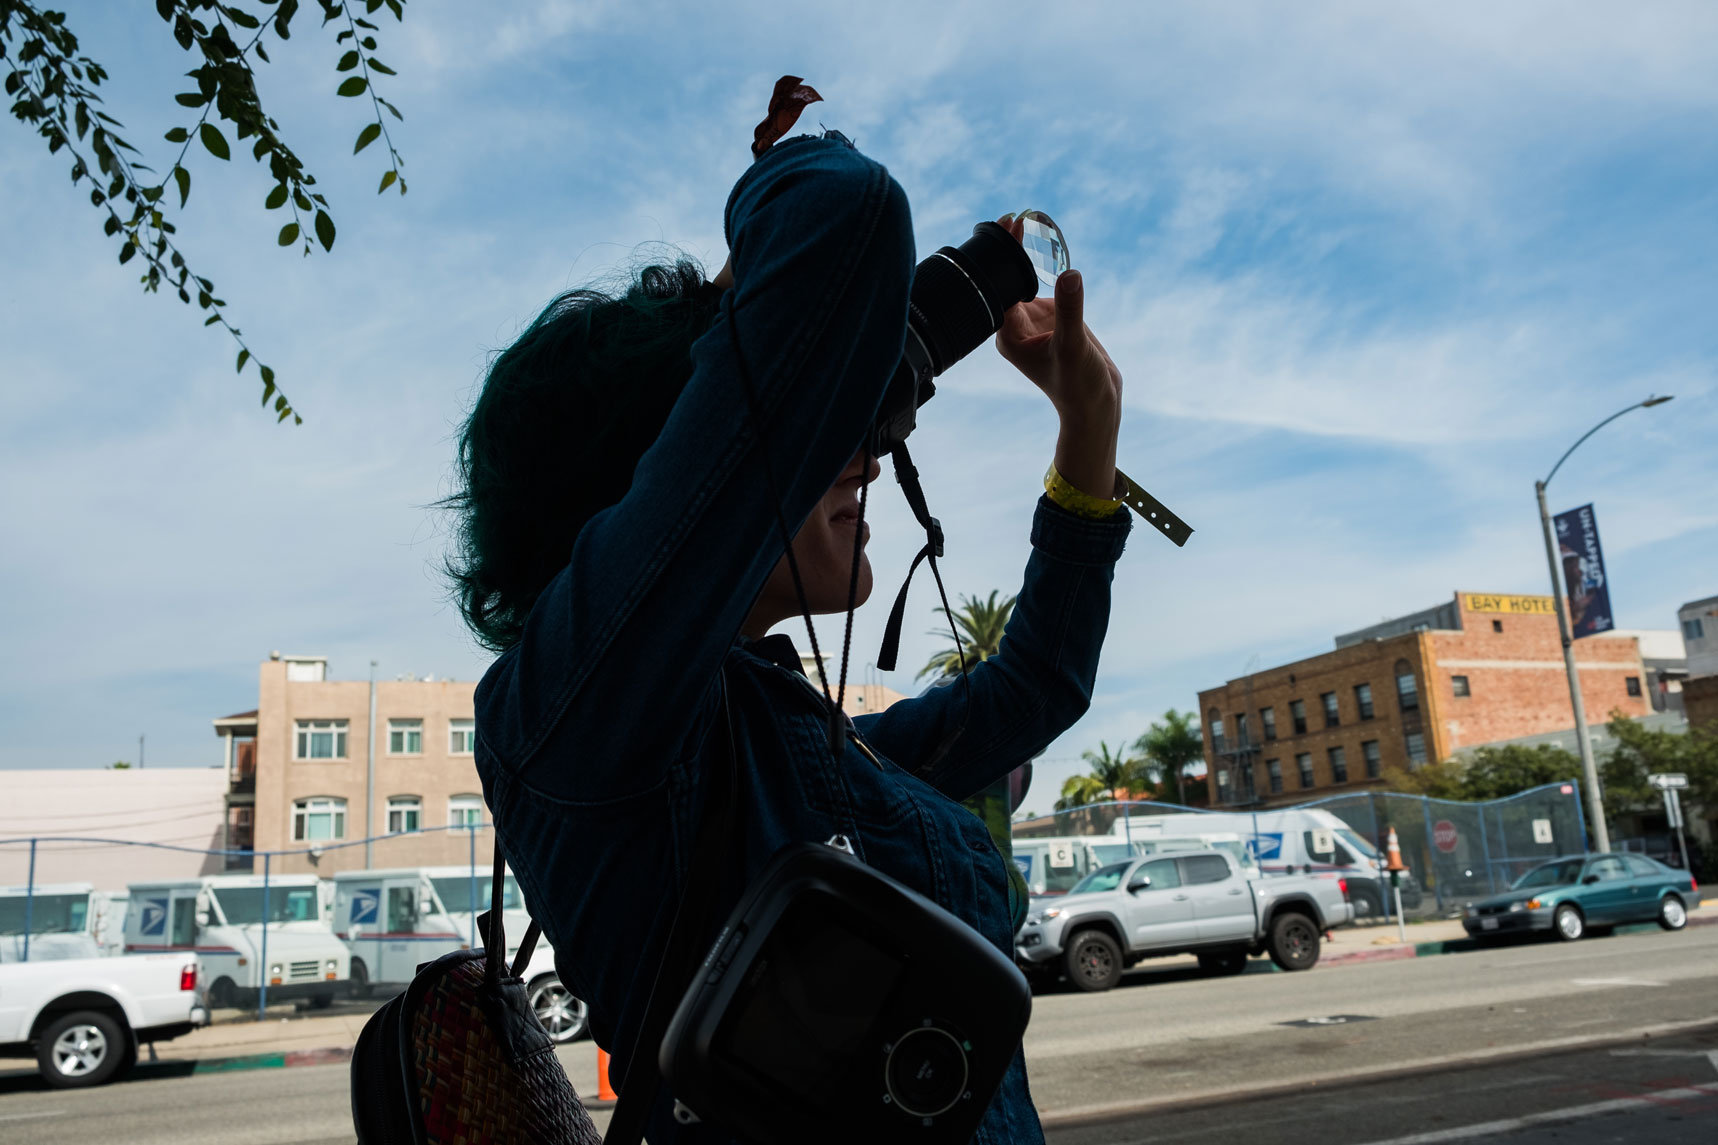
(280, 1059)
(1401, 950)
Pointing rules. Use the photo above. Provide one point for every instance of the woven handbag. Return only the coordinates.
(461, 1059)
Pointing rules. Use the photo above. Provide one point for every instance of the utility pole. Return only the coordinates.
(1589, 769)
(139, 753)
(370, 779)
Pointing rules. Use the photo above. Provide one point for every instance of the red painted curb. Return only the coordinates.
(1393, 953)
(328, 1055)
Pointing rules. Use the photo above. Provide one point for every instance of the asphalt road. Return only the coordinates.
(1171, 1057)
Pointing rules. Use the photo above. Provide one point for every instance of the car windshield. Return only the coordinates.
(455, 892)
(242, 906)
(1103, 879)
(1557, 874)
(49, 914)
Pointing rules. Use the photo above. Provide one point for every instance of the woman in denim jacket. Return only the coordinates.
(620, 549)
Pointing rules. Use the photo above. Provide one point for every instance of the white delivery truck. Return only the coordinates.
(220, 919)
(83, 1019)
(66, 920)
(1051, 865)
(392, 921)
(1288, 841)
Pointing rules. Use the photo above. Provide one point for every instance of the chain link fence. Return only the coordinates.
(1454, 852)
(328, 919)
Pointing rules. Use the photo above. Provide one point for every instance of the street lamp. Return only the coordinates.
(1595, 797)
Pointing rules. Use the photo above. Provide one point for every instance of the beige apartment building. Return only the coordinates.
(298, 770)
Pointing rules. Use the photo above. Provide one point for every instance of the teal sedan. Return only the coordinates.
(1572, 895)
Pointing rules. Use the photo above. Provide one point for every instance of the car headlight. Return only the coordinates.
(274, 971)
(332, 965)
(1038, 918)
(1517, 907)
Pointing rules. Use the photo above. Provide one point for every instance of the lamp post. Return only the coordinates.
(1590, 770)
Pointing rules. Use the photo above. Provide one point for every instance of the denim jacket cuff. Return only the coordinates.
(1079, 540)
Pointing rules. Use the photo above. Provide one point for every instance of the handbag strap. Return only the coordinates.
(681, 955)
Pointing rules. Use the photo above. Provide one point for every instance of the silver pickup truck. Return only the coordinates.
(1199, 902)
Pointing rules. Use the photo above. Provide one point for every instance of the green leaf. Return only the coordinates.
(301, 199)
(244, 356)
(387, 179)
(82, 119)
(276, 198)
(378, 66)
(325, 230)
(111, 226)
(347, 62)
(183, 178)
(242, 19)
(214, 141)
(354, 85)
(126, 251)
(367, 137)
(177, 135)
(191, 99)
(288, 234)
(212, 319)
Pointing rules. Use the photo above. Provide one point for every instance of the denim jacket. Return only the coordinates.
(595, 742)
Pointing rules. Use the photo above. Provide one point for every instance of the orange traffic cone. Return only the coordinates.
(605, 1091)
(1393, 853)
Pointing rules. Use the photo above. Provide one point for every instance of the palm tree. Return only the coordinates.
(1171, 747)
(1079, 790)
(982, 622)
(1112, 776)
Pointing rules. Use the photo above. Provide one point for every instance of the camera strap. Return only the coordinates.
(683, 949)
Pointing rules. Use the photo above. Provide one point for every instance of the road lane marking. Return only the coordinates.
(1656, 1099)
(1616, 982)
(31, 1116)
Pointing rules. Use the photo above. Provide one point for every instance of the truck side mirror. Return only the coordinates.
(426, 905)
(203, 917)
(1139, 883)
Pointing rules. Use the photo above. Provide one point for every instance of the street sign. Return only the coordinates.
(1668, 780)
(1673, 808)
(1542, 831)
(1444, 835)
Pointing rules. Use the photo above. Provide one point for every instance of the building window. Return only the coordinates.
(1497, 626)
(1459, 684)
(1692, 629)
(1374, 765)
(1407, 688)
(1216, 731)
(465, 811)
(1363, 700)
(1633, 684)
(1222, 786)
(1241, 730)
(1297, 709)
(320, 739)
(405, 737)
(1303, 761)
(461, 737)
(1331, 719)
(1338, 766)
(1268, 721)
(1274, 768)
(314, 819)
(405, 814)
(1416, 747)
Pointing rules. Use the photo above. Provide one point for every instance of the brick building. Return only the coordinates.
(1480, 668)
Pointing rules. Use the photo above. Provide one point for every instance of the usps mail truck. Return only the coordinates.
(394, 920)
(66, 920)
(220, 917)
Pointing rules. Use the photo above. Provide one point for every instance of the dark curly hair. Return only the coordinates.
(564, 416)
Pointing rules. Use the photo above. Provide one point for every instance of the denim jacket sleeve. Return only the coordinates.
(1040, 679)
(621, 650)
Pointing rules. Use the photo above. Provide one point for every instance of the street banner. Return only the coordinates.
(1584, 572)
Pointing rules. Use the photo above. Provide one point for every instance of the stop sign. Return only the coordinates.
(1444, 835)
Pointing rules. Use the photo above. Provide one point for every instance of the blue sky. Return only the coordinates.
(1367, 271)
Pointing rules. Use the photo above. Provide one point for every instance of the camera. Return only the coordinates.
(958, 298)
(838, 1005)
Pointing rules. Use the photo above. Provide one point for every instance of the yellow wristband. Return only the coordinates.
(1080, 504)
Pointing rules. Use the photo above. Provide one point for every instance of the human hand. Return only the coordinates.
(1047, 340)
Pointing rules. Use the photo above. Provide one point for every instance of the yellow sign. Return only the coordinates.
(1487, 602)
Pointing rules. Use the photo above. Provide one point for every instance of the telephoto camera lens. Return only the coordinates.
(961, 293)
(926, 1072)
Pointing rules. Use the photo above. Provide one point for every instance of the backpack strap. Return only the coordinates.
(681, 955)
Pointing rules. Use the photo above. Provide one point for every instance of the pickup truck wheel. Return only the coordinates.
(564, 1016)
(1093, 961)
(1223, 962)
(1294, 942)
(360, 979)
(80, 1049)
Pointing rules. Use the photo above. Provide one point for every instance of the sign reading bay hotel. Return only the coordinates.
(1490, 602)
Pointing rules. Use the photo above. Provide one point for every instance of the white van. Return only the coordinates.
(1289, 841)
(220, 918)
(393, 921)
(67, 920)
(1051, 865)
